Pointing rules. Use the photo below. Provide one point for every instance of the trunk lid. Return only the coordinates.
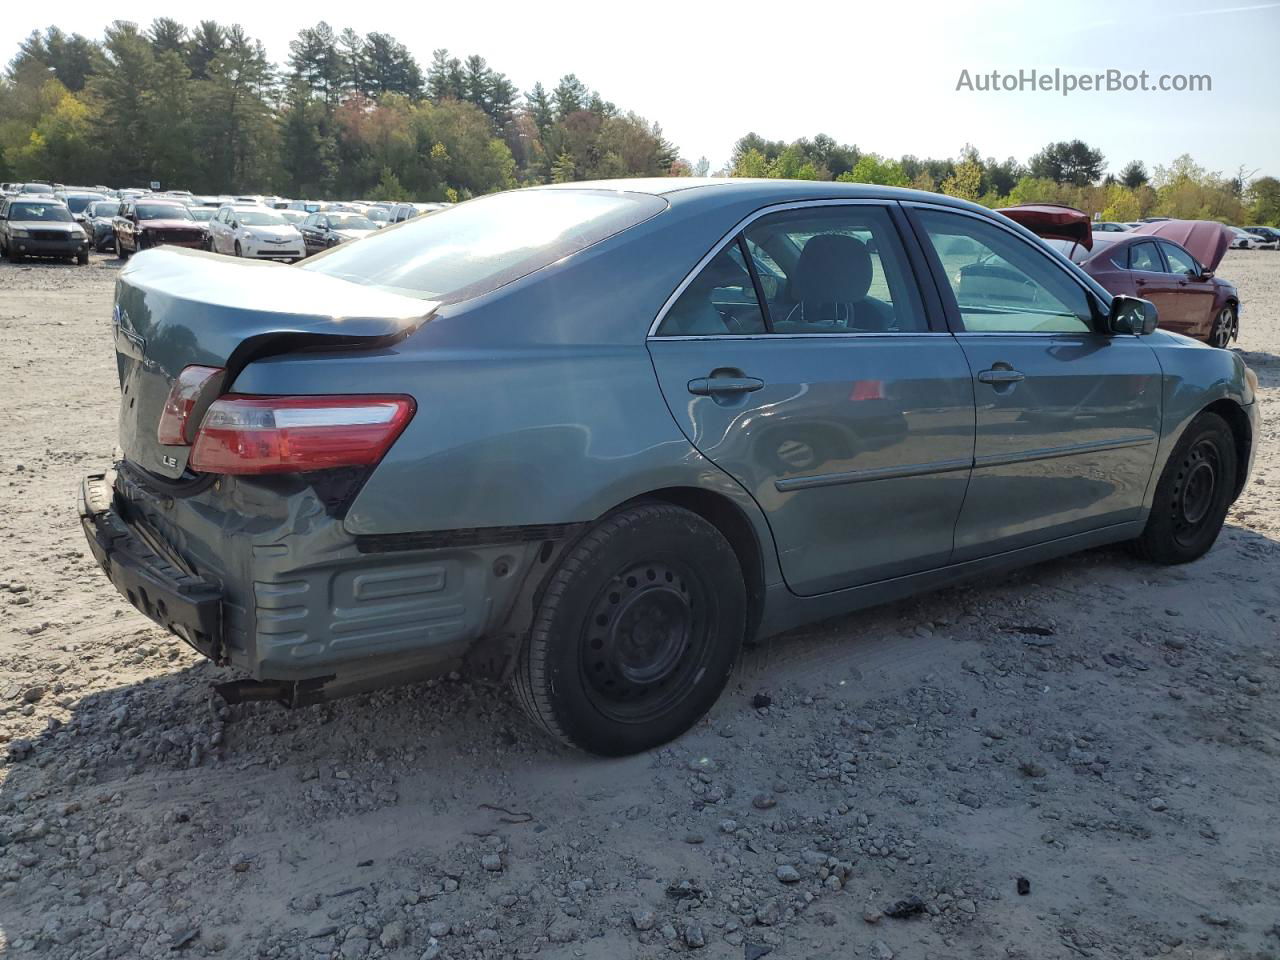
(177, 307)
(1206, 240)
(1053, 221)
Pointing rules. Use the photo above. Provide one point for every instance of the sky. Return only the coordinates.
(883, 78)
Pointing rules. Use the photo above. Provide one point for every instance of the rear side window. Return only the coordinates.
(1001, 283)
(479, 246)
(721, 299)
(1144, 256)
(835, 269)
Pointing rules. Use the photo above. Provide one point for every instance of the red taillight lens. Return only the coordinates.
(175, 427)
(255, 435)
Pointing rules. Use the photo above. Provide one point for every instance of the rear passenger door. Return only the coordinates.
(1067, 415)
(803, 358)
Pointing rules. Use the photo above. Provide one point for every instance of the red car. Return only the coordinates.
(144, 223)
(1169, 262)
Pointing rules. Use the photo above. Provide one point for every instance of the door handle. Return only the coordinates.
(1140, 282)
(711, 386)
(997, 375)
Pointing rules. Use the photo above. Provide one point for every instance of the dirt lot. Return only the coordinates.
(1106, 730)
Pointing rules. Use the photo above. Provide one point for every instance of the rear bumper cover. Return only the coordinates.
(155, 584)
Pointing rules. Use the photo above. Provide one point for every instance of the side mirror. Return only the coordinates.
(1205, 275)
(1132, 315)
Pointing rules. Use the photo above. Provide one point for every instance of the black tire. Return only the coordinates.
(15, 256)
(636, 632)
(1193, 495)
(120, 252)
(239, 251)
(82, 258)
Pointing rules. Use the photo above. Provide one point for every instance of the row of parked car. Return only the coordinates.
(73, 220)
(1171, 263)
(1244, 238)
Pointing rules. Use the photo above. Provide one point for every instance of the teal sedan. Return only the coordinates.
(590, 438)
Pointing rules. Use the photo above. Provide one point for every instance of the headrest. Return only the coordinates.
(833, 268)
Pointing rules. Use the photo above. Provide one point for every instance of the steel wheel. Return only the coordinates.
(1223, 328)
(645, 641)
(1195, 491)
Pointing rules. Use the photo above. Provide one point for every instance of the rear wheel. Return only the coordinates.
(1224, 328)
(636, 633)
(1193, 494)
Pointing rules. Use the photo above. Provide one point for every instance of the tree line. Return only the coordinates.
(352, 115)
(348, 115)
(1070, 172)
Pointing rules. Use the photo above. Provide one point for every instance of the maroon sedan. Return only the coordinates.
(146, 223)
(1169, 262)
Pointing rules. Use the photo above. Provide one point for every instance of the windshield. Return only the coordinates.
(77, 204)
(54, 212)
(293, 216)
(104, 208)
(201, 213)
(259, 218)
(350, 221)
(377, 213)
(478, 246)
(162, 211)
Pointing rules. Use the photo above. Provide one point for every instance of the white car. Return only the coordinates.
(254, 232)
(1244, 240)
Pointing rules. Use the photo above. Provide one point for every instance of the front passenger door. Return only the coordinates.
(1067, 415)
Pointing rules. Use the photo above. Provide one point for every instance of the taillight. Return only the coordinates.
(176, 426)
(255, 435)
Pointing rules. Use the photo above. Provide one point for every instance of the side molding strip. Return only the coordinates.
(950, 466)
(880, 473)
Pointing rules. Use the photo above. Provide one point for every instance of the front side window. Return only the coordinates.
(1145, 256)
(1180, 261)
(1001, 283)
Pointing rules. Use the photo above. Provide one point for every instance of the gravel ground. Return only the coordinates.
(1077, 761)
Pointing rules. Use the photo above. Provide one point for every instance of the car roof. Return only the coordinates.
(677, 189)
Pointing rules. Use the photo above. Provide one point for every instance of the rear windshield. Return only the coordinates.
(40, 211)
(479, 246)
(1075, 251)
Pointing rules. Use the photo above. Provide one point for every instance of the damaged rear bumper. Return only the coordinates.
(266, 579)
(158, 585)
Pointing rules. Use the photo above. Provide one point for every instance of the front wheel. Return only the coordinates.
(82, 258)
(1224, 328)
(239, 251)
(120, 252)
(1193, 494)
(636, 633)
